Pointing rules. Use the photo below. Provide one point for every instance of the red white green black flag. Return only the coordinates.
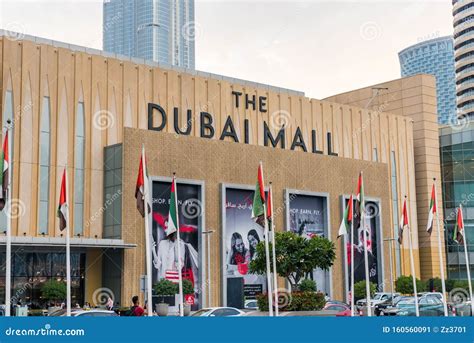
(429, 226)
(140, 187)
(63, 208)
(458, 234)
(269, 206)
(258, 213)
(4, 165)
(347, 219)
(403, 222)
(173, 222)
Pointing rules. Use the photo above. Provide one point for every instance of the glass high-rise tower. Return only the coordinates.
(435, 57)
(158, 30)
(463, 23)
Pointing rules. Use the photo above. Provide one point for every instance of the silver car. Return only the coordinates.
(84, 313)
(218, 312)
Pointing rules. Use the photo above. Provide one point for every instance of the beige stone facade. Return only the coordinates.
(116, 93)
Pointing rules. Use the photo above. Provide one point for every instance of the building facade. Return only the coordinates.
(161, 30)
(435, 57)
(457, 166)
(82, 108)
(463, 23)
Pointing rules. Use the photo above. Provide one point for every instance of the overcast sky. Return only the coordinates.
(319, 47)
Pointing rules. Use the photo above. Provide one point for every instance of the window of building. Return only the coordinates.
(44, 162)
(79, 148)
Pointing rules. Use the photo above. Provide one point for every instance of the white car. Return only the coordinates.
(85, 313)
(218, 312)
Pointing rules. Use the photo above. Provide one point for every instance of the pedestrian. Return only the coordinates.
(136, 310)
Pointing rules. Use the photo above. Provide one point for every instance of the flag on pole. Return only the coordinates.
(269, 207)
(403, 222)
(258, 213)
(431, 215)
(140, 187)
(458, 234)
(173, 212)
(347, 219)
(63, 212)
(4, 164)
(360, 193)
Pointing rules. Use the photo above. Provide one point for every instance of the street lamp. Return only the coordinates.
(208, 234)
(140, 28)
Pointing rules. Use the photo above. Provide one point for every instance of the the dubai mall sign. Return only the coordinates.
(207, 129)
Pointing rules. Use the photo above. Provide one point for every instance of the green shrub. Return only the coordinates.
(54, 290)
(165, 288)
(307, 285)
(461, 284)
(404, 285)
(360, 291)
(295, 301)
(187, 287)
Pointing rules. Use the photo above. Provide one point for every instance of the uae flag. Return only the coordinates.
(403, 222)
(269, 205)
(347, 219)
(4, 161)
(173, 212)
(429, 226)
(258, 213)
(458, 234)
(140, 187)
(63, 212)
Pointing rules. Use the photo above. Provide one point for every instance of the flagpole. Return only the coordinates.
(275, 278)
(366, 255)
(466, 256)
(147, 237)
(68, 252)
(8, 267)
(440, 252)
(178, 240)
(412, 264)
(267, 254)
(352, 262)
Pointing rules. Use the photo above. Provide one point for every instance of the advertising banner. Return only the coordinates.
(371, 229)
(308, 217)
(164, 247)
(241, 236)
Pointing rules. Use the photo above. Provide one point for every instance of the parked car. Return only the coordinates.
(390, 308)
(463, 309)
(2, 310)
(429, 305)
(84, 313)
(436, 294)
(336, 302)
(251, 304)
(218, 312)
(343, 310)
(378, 298)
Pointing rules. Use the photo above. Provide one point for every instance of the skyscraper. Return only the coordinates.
(158, 30)
(435, 57)
(463, 13)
